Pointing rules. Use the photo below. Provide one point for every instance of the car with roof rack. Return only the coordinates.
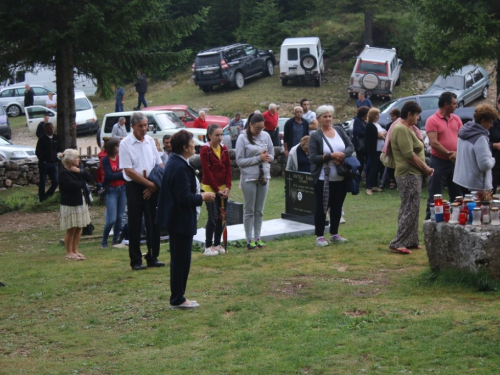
(376, 72)
(231, 66)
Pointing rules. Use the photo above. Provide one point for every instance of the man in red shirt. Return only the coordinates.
(200, 121)
(271, 124)
(442, 129)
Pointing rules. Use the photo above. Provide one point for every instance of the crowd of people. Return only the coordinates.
(159, 188)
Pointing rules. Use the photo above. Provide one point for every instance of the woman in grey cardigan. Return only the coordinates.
(474, 159)
(327, 148)
(254, 153)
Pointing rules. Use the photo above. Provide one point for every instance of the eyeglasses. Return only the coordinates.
(258, 127)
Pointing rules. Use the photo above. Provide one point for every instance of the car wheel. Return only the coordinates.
(239, 80)
(308, 62)
(284, 81)
(269, 68)
(461, 104)
(317, 81)
(369, 81)
(13, 110)
(207, 89)
(485, 92)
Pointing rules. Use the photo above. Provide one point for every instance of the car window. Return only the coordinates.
(453, 82)
(152, 123)
(112, 120)
(40, 91)
(37, 111)
(180, 114)
(6, 93)
(468, 81)
(379, 69)
(212, 59)
(304, 51)
(19, 92)
(402, 102)
(477, 75)
(292, 54)
(82, 104)
(176, 120)
(166, 122)
(429, 103)
(250, 51)
(4, 142)
(386, 107)
(192, 112)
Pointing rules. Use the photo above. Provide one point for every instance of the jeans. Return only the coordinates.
(116, 199)
(49, 169)
(443, 173)
(254, 195)
(335, 202)
(118, 106)
(141, 99)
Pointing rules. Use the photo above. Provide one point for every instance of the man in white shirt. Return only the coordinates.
(309, 115)
(119, 130)
(138, 156)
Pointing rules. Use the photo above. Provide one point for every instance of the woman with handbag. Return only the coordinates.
(217, 175)
(254, 153)
(116, 197)
(328, 147)
(74, 201)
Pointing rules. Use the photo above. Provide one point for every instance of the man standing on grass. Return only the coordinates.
(46, 151)
(119, 98)
(309, 115)
(442, 129)
(295, 129)
(141, 86)
(363, 102)
(138, 157)
(29, 96)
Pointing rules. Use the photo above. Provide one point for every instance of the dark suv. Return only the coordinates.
(231, 65)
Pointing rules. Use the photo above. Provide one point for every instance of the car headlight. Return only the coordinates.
(18, 154)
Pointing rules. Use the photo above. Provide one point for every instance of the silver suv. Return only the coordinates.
(376, 72)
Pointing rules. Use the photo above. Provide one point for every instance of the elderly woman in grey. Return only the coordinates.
(328, 146)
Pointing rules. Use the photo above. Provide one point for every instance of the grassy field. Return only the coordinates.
(291, 308)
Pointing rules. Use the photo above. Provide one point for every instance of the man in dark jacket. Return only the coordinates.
(141, 86)
(295, 129)
(47, 148)
(29, 96)
(40, 129)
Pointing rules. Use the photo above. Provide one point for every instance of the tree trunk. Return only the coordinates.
(497, 73)
(368, 28)
(66, 114)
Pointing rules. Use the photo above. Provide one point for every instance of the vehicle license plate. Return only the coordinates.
(292, 70)
(208, 72)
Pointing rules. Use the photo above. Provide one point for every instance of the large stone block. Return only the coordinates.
(463, 247)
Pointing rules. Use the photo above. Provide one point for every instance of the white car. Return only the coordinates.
(86, 119)
(12, 98)
(301, 59)
(12, 152)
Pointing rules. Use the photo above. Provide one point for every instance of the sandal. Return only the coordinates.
(377, 189)
(417, 247)
(400, 250)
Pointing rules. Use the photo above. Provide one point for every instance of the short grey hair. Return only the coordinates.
(68, 156)
(272, 105)
(121, 118)
(322, 109)
(298, 107)
(136, 118)
(201, 111)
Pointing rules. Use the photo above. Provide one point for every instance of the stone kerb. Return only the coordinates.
(21, 173)
(463, 247)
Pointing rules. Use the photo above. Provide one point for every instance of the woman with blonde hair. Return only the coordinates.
(75, 198)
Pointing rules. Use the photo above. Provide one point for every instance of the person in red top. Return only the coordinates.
(442, 129)
(200, 121)
(271, 124)
(217, 174)
(116, 197)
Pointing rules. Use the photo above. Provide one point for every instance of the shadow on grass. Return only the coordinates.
(481, 281)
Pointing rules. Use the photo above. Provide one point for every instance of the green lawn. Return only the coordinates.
(291, 308)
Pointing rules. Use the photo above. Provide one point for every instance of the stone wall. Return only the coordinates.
(18, 174)
(463, 247)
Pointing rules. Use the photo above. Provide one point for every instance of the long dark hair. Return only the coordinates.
(252, 120)
(211, 128)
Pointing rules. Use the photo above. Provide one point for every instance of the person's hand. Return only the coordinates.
(496, 146)
(75, 169)
(149, 191)
(429, 172)
(286, 153)
(452, 156)
(264, 156)
(337, 156)
(224, 193)
(208, 197)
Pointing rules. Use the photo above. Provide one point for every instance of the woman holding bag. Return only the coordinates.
(216, 167)
(327, 148)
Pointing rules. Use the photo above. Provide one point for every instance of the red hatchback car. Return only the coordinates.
(189, 115)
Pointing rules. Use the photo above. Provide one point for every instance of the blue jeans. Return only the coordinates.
(118, 106)
(141, 99)
(49, 169)
(116, 199)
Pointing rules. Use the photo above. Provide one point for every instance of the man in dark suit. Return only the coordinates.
(29, 96)
(46, 150)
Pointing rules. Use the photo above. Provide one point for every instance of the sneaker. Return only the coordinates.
(337, 238)
(220, 249)
(342, 220)
(210, 251)
(251, 245)
(260, 244)
(320, 241)
(104, 246)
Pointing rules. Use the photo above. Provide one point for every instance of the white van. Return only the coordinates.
(47, 77)
(160, 123)
(86, 119)
(301, 59)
